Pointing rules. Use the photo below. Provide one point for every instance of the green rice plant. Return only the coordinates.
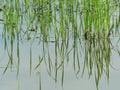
(97, 17)
(62, 21)
(11, 29)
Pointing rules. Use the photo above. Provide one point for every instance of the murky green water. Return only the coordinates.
(59, 45)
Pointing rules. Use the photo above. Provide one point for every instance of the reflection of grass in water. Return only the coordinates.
(97, 58)
(66, 19)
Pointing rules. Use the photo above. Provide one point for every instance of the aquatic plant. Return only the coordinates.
(65, 24)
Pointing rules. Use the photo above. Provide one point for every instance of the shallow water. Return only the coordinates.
(31, 82)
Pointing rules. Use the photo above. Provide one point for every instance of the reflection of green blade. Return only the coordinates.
(30, 60)
(62, 75)
(18, 55)
(40, 61)
(6, 68)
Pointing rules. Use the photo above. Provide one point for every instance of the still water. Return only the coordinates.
(25, 81)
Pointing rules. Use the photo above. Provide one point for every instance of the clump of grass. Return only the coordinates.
(97, 17)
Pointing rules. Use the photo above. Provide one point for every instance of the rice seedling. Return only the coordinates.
(67, 21)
